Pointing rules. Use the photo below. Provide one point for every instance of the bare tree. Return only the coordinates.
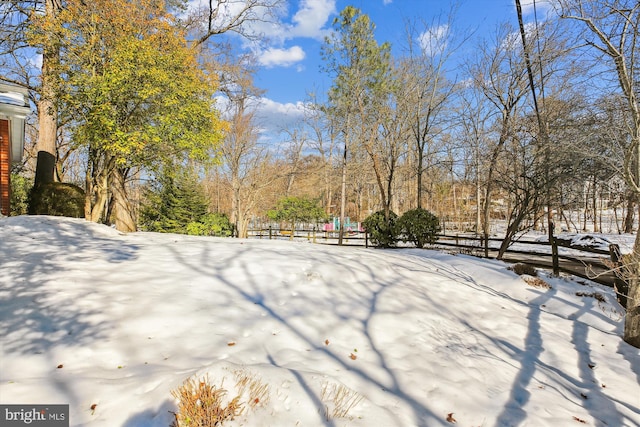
(243, 17)
(613, 31)
(293, 155)
(500, 74)
(244, 159)
(474, 116)
(426, 90)
(323, 140)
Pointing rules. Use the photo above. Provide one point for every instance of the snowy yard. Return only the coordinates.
(96, 319)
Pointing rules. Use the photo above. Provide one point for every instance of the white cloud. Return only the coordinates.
(386, 2)
(294, 19)
(513, 41)
(434, 40)
(541, 7)
(311, 18)
(275, 57)
(274, 117)
(277, 115)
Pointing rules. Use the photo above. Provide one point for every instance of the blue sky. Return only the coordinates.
(290, 64)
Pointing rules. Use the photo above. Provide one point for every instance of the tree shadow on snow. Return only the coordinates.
(161, 417)
(249, 290)
(36, 313)
(585, 392)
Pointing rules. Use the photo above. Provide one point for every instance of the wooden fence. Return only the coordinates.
(583, 256)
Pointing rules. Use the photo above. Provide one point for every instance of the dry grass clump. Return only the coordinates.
(258, 391)
(342, 398)
(597, 295)
(524, 269)
(536, 282)
(201, 404)
(529, 275)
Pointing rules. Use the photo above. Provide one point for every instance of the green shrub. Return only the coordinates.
(20, 189)
(382, 233)
(419, 226)
(58, 199)
(297, 209)
(211, 224)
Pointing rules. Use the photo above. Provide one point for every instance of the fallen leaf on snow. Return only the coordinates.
(450, 417)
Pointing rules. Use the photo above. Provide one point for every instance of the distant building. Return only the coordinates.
(14, 108)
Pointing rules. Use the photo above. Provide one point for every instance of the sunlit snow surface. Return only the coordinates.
(89, 316)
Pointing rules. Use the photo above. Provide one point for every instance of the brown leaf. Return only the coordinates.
(326, 342)
(579, 420)
(450, 417)
(60, 366)
(591, 366)
(353, 356)
(231, 343)
(584, 396)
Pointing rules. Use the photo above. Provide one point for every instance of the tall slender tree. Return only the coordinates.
(17, 50)
(499, 72)
(362, 84)
(427, 91)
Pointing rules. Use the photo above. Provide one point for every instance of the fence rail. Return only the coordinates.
(599, 260)
(322, 236)
(353, 238)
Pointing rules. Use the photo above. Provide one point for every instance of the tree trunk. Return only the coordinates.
(236, 219)
(122, 212)
(628, 219)
(47, 111)
(632, 317)
(478, 200)
(97, 191)
(242, 223)
(489, 184)
(419, 176)
(343, 196)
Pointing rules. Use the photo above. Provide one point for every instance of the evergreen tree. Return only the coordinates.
(173, 201)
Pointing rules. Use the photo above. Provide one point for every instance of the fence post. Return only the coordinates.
(366, 239)
(270, 232)
(614, 252)
(620, 284)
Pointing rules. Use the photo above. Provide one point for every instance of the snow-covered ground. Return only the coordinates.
(335, 336)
